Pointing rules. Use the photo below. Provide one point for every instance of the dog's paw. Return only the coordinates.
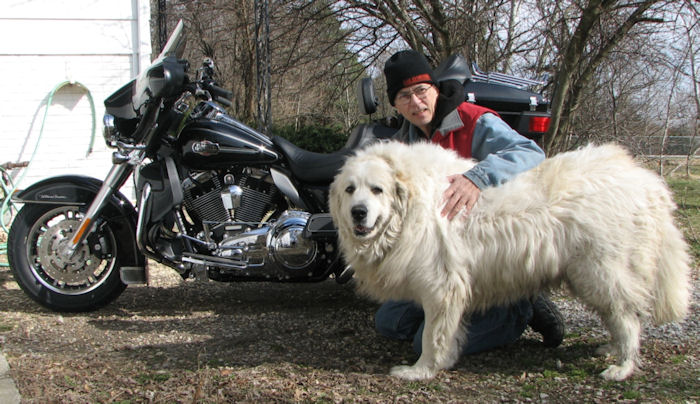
(617, 373)
(412, 372)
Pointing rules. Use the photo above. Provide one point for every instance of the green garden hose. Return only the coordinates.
(8, 189)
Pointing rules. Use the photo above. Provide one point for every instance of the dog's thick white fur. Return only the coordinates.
(591, 219)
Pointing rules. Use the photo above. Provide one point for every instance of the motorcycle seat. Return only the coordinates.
(311, 167)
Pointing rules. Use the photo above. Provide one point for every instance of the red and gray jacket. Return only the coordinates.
(479, 133)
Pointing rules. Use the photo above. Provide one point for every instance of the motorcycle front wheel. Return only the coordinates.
(84, 280)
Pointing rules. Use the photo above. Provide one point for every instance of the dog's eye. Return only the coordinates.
(377, 190)
(350, 189)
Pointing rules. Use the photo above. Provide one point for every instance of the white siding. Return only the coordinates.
(100, 44)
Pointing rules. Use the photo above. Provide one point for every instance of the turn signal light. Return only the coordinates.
(539, 124)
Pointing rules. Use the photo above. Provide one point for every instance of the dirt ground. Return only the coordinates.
(188, 342)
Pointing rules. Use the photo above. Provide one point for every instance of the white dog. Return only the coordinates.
(591, 219)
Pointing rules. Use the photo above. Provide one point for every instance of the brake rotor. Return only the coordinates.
(79, 267)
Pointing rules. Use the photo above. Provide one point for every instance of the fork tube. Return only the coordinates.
(115, 179)
(141, 222)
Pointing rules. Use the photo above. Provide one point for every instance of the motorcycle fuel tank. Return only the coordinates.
(209, 144)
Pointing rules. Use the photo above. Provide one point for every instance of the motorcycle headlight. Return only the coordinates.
(110, 130)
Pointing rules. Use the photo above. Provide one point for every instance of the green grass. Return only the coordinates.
(145, 378)
(5, 326)
(631, 395)
(678, 359)
(687, 196)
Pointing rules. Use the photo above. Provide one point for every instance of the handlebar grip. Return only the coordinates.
(220, 92)
(222, 100)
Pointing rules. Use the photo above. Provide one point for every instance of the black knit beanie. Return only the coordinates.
(404, 69)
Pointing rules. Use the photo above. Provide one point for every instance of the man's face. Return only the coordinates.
(417, 104)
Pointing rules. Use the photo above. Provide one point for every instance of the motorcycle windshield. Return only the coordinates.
(175, 45)
(155, 80)
(127, 101)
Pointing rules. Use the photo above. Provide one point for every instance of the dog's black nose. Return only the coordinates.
(359, 212)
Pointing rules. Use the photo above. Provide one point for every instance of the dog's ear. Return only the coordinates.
(334, 197)
(402, 191)
(399, 205)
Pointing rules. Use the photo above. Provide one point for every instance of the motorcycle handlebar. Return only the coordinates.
(219, 94)
(224, 101)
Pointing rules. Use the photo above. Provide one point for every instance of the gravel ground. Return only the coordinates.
(188, 342)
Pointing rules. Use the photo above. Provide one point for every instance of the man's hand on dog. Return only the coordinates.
(462, 193)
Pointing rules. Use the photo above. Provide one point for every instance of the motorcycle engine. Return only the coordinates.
(251, 238)
(212, 198)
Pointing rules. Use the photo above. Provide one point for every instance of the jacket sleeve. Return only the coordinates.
(501, 151)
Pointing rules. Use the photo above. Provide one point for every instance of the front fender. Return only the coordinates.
(77, 190)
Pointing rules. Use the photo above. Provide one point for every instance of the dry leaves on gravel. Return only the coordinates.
(187, 342)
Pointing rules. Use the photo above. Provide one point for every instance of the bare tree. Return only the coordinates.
(602, 56)
(676, 72)
(692, 31)
(487, 32)
(309, 66)
(602, 25)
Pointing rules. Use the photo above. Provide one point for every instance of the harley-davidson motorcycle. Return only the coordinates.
(215, 199)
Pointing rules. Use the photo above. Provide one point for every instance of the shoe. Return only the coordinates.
(548, 321)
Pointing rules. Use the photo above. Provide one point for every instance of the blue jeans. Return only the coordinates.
(496, 327)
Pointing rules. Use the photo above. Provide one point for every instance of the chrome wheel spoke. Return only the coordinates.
(68, 273)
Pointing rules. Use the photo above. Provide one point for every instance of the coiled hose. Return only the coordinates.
(8, 187)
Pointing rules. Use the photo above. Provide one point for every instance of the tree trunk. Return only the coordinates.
(569, 66)
(573, 76)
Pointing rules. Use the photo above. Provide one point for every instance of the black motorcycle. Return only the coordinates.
(215, 199)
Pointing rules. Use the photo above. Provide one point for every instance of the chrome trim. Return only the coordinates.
(253, 148)
(506, 79)
(109, 132)
(533, 103)
(231, 197)
(141, 221)
(285, 185)
(114, 179)
(198, 259)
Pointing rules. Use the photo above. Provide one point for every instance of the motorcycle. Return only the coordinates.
(215, 199)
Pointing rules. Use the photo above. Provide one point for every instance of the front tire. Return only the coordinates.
(86, 280)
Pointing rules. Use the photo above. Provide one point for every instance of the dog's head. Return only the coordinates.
(368, 197)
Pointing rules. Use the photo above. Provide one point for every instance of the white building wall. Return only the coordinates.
(100, 44)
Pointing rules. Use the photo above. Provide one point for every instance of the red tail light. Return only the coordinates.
(539, 124)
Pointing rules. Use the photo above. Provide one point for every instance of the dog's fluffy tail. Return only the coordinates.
(672, 289)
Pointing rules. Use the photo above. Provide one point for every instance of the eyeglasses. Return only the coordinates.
(405, 97)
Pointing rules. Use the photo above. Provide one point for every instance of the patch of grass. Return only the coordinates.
(550, 374)
(687, 196)
(6, 327)
(683, 384)
(70, 381)
(686, 192)
(144, 378)
(528, 390)
(572, 335)
(678, 359)
(577, 374)
(631, 395)
(436, 387)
